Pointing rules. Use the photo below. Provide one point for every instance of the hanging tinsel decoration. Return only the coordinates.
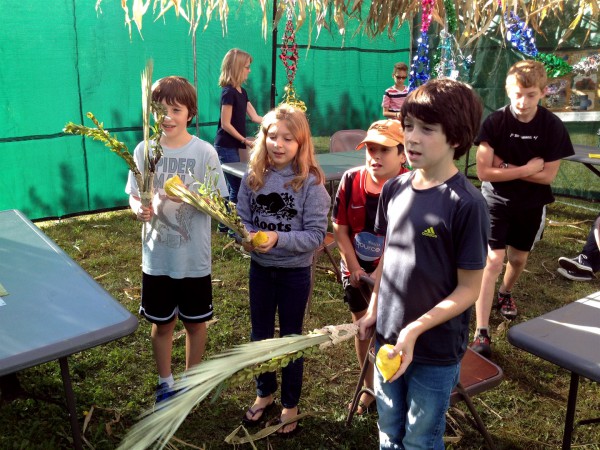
(419, 68)
(555, 66)
(587, 65)
(451, 22)
(444, 63)
(289, 57)
(448, 60)
(519, 35)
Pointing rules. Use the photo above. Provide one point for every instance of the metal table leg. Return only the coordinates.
(70, 397)
(569, 418)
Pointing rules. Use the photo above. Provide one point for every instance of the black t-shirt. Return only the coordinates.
(239, 103)
(516, 143)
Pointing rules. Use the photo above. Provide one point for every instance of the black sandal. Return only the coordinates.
(262, 411)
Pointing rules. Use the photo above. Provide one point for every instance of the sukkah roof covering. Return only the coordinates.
(474, 17)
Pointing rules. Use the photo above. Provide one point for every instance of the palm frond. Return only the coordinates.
(99, 133)
(239, 363)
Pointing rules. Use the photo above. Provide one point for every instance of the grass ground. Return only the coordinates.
(113, 383)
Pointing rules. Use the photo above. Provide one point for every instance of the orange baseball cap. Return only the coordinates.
(384, 132)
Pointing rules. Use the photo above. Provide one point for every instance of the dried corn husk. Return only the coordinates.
(382, 15)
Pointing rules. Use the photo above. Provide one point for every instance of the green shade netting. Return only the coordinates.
(63, 59)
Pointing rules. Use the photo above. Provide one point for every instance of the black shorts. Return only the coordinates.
(519, 228)
(164, 297)
(357, 298)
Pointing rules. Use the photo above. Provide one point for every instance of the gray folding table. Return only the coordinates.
(53, 308)
(582, 155)
(570, 338)
(333, 164)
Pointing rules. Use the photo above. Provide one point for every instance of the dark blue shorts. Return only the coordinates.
(519, 228)
(164, 297)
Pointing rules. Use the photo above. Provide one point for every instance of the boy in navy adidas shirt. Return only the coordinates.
(436, 226)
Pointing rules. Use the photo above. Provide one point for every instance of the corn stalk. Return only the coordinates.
(229, 368)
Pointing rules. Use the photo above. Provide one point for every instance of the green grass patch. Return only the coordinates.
(113, 383)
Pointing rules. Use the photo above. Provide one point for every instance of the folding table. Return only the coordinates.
(333, 164)
(53, 308)
(582, 155)
(570, 338)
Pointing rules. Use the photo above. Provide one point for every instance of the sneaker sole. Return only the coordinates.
(567, 275)
(569, 264)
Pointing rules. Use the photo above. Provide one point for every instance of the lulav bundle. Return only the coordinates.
(207, 199)
(152, 148)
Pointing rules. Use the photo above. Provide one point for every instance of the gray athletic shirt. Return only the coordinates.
(300, 218)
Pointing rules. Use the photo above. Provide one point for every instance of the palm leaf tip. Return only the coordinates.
(243, 361)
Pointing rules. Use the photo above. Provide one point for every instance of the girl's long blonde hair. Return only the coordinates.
(304, 162)
(232, 67)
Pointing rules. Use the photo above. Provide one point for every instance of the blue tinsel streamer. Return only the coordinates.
(419, 69)
(520, 35)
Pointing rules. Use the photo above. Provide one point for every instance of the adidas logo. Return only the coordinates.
(429, 232)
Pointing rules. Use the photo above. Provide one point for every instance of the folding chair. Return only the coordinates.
(342, 141)
(477, 375)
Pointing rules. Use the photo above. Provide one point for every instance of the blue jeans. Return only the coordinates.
(285, 290)
(229, 155)
(412, 409)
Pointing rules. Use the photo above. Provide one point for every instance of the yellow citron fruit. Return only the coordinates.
(171, 183)
(387, 366)
(259, 238)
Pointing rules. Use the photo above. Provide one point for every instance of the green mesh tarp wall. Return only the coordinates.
(61, 59)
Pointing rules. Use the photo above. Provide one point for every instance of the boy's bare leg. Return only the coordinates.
(493, 268)
(517, 259)
(195, 343)
(162, 345)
